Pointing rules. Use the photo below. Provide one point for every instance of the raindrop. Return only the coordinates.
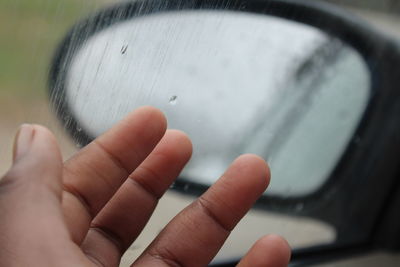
(124, 48)
(173, 100)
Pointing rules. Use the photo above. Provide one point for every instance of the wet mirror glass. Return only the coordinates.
(235, 83)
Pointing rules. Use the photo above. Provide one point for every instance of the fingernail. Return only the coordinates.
(23, 141)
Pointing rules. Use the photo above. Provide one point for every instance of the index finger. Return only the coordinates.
(93, 175)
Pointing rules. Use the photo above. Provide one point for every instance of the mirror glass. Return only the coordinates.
(235, 83)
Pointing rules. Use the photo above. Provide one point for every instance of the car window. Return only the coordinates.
(280, 69)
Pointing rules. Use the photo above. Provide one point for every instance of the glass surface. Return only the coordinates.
(30, 31)
(235, 83)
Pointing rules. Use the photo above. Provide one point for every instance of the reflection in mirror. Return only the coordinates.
(235, 82)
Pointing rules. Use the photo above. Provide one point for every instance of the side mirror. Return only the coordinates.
(306, 86)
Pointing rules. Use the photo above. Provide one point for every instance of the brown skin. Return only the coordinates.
(90, 209)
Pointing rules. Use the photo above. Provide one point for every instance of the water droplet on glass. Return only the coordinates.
(124, 48)
(173, 100)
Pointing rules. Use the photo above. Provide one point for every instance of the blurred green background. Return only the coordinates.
(29, 33)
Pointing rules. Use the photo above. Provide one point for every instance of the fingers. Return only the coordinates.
(269, 251)
(93, 176)
(123, 218)
(195, 235)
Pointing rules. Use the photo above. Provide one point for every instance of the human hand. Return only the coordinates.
(90, 209)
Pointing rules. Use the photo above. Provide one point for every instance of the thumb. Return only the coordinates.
(37, 161)
(30, 200)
